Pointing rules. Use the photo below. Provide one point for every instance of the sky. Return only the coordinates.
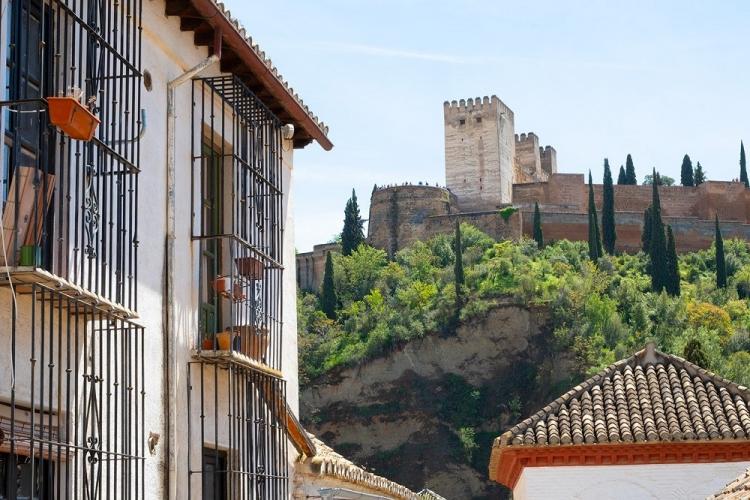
(594, 79)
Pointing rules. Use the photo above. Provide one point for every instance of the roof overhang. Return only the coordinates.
(507, 462)
(209, 21)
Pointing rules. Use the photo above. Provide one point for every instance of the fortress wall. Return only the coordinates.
(489, 222)
(569, 193)
(311, 266)
(397, 214)
(690, 233)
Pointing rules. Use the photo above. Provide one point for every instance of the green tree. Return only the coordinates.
(622, 177)
(646, 233)
(699, 176)
(658, 247)
(458, 268)
(721, 264)
(328, 299)
(743, 165)
(609, 233)
(663, 180)
(595, 241)
(693, 352)
(353, 234)
(630, 171)
(538, 236)
(686, 174)
(673, 266)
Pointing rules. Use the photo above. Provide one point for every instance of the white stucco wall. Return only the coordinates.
(167, 53)
(626, 482)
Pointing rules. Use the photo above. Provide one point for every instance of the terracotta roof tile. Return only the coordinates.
(329, 463)
(739, 489)
(648, 397)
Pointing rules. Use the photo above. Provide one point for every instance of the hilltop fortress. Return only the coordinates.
(489, 167)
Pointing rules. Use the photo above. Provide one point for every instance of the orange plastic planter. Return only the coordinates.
(72, 117)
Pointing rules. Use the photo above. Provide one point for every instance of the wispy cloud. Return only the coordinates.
(373, 50)
(445, 58)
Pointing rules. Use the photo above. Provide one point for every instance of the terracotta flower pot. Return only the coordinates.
(222, 285)
(72, 117)
(224, 339)
(249, 267)
(253, 341)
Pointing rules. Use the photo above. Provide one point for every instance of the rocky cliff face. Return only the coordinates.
(426, 414)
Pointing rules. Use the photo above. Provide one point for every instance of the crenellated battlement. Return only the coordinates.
(529, 137)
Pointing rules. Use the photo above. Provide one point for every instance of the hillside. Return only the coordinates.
(402, 385)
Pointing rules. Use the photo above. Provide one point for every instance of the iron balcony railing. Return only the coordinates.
(69, 206)
(72, 421)
(237, 218)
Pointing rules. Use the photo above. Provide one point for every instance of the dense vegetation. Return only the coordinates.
(601, 311)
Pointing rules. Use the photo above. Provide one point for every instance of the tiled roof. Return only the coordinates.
(269, 64)
(214, 14)
(739, 489)
(329, 463)
(649, 397)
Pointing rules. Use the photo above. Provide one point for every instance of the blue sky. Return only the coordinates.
(594, 79)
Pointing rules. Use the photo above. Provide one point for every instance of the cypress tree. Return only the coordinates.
(458, 268)
(658, 248)
(673, 266)
(622, 177)
(538, 236)
(328, 299)
(721, 264)
(686, 174)
(353, 235)
(630, 171)
(693, 352)
(609, 234)
(646, 233)
(699, 176)
(743, 166)
(595, 241)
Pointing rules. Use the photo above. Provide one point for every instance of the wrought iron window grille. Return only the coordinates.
(69, 206)
(237, 217)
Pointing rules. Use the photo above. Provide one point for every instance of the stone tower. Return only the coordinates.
(479, 152)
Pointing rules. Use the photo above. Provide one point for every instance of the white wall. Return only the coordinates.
(167, 53)
(626, 482)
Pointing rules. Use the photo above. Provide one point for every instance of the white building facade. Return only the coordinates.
(149, 347)
(652, 426)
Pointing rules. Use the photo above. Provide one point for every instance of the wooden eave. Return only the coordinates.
(206, 19)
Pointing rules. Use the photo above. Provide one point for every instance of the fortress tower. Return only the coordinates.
(479, 152)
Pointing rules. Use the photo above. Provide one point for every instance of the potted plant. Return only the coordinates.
(253, 341)
(71, 116)
(223, 284)
(250, 267)
(208, 343)
(224, 340)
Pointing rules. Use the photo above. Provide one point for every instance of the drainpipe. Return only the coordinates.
(171, 365)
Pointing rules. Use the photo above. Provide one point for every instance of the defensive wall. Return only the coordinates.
(563, 203)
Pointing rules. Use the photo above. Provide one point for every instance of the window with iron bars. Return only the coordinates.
(237, 218)
(72, 414)
(69, 206)
(237, 434)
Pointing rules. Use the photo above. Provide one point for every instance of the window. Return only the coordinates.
(214, 474)
(462, 121)
(479, 119)
(24, 478)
